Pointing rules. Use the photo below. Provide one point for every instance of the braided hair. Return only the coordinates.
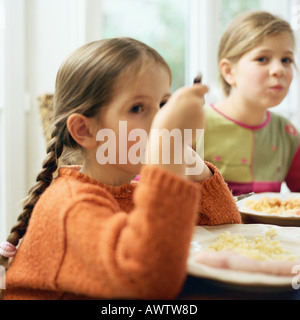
(85, 82)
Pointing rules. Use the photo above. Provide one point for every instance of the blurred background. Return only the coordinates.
(36, 36)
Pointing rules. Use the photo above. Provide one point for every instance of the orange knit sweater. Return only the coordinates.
(88, 240)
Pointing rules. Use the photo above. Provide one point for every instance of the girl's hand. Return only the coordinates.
(183, 111)
(196, 168)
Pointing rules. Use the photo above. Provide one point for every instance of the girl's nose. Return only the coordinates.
(277, 69)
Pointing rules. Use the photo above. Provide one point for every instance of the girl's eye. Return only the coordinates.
(162, 103)
(137, 109)
(262, 59)
(287, 60)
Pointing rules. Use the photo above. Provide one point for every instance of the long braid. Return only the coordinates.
(43, 181)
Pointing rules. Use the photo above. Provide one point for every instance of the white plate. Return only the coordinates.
(203, 236)
(253, 216)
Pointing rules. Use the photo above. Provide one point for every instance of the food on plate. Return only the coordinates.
(262, 254)
(233, 261)
(261, 247)
(275, 205)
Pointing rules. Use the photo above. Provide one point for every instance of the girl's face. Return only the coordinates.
(138, 97)
(262, 77)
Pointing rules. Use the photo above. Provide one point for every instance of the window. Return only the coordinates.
(187, 34)
(159, 23)
(231, 8)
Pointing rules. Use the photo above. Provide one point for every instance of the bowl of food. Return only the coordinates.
(281, 209)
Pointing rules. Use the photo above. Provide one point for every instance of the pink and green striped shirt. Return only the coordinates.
(253, 159)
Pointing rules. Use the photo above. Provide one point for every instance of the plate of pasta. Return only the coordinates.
(281, 209)
(248, 255)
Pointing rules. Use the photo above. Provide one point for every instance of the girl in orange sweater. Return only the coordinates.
(89, 232)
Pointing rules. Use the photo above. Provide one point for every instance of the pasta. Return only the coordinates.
(262, 247)
(275, 206)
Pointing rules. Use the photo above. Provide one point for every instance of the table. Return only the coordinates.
(203, 289)
(206, 289)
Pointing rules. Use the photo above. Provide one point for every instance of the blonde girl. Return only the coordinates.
(89, 233)
(254, 149)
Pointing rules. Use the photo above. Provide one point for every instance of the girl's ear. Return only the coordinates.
(81, 130)
(227, 71)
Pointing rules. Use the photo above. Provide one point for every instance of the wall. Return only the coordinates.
(54, 28)
(39, 34)
(12, 126)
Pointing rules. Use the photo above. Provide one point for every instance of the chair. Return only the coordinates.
(45, 103)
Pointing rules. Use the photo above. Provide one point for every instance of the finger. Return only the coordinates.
(201, 89)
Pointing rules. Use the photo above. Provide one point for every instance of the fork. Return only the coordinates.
(243, 196)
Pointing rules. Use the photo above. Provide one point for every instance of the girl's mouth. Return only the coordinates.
(277, 88)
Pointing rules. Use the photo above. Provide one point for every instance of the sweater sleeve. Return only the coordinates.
(217, 205)
(142, 254)
(293, 177)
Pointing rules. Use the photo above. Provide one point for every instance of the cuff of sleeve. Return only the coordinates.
(216, 183)
(167, 180)
(217, 202)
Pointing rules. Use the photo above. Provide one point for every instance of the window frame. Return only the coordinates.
(201, 49)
